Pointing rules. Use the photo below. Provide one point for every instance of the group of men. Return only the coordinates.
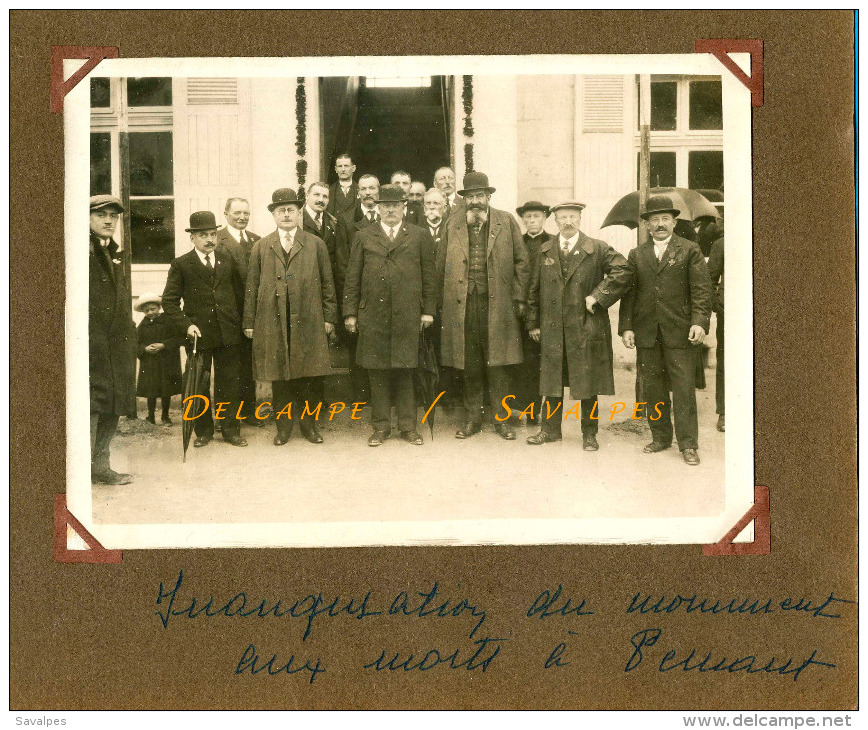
(516, 315)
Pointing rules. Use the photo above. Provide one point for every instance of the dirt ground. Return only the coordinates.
(344, 479)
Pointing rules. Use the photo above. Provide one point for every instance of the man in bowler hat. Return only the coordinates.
(482, 263)
(666, 316)
(209, 283)
(112, 339)
(390, 294)
(290, 311)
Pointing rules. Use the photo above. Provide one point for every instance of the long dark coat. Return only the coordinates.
(159, 372)
(508, 275)
(328, 233)
(213, 304)
(556, 305)
(672, 294)
(304, 291)
(112, 334)
(389, 286)
(240, 253)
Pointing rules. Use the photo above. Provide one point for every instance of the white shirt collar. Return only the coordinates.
(434, 225)
(386, 229)
(234, 232)
(311, 212)
(287, 237)
(661, 244)
(571, 241)
(345, 185)
(202, 257)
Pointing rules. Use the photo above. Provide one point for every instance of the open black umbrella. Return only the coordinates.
(691, 203)
(426, 377)
(195, 383)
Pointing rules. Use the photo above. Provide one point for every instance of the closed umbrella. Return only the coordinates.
(426, 377)
(195, 383)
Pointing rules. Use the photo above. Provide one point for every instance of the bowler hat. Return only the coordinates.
(98, 202)
(391, 194)
(533, 205)
(476, 181)
(283, 196)
(568, 204)
(659, 204)
(202, 220)
(147, 298)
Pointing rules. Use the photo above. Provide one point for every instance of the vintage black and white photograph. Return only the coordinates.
(409, 301)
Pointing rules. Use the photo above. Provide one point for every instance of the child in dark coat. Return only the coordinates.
(159, 357)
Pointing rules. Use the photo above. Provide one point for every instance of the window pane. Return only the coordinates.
(662, 169)
(100, 163)
(664, 106)
(152, 226)
(706, 105)
(149, 92)
(705, 170)
(100, 92)
(151, 163)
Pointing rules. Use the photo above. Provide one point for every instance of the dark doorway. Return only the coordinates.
(386, 127)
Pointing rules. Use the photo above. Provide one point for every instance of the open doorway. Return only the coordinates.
(387, 124)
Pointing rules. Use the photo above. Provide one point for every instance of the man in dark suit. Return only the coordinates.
(318, 221)
(210, 285)
(666, 315)
(433, 205)
(444, 181)
(389, 296)
(533, 215)
(235, 240)
(343, 193)
(112, 339)
(413, 213)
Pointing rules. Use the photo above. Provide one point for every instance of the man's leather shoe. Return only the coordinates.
(505, 431)
(235, 440)
(255, 422)
(690, 457)
(412, 437)
(280, 438)
(656, 446)
(377, 438)
(167, 421)
(151, 419)
(202, 441)
(543, 437)
(111, 477)
(720, 423)
(467, 430)
(589, 442)
(312, 435)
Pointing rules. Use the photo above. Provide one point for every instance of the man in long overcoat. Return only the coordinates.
(390, 294)
(574, 282)
(112, 339)
(665, 316)
(209, 283)
(237, 241)
(289, 312)
(482, 263)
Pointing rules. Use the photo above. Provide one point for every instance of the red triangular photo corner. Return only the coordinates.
(720, 48)
(60, 87)
(67, 526)
(760, 515)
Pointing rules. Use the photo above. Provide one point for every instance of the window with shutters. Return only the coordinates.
(131, 148)
(686, 132)
(603, 104)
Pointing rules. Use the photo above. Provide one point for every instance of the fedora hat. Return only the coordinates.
(533, 205)
(476, 181)
(391, 194)
(98, 202)
(147, 298)
(283, 196)
(202, 220)
(568, 204)
(658, 204)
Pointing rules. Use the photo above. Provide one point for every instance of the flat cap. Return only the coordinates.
(97, 202)
(568, 204)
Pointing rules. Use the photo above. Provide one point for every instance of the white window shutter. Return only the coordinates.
(212, 91)
(603, 104)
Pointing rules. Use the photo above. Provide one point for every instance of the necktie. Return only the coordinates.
(241, 237)
(391, 234)
(371, 216)
(319, 220)
(208, 264)
(565, 247)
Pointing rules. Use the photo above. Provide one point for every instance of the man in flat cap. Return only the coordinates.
(482, 263)
(209, 283)
(237, 241)
(533, 215)
(575, 281)
(666, 316)
(112, 339)
(390, 294)
(290, 311)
